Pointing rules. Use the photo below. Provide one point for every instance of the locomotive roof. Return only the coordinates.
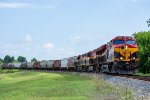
(100, 48)
(124, 38)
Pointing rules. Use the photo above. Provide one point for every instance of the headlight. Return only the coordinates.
(133, 58)
(121, 58)
(134, 55)
(126, 47)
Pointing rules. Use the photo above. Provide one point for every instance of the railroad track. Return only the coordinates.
(137, 77)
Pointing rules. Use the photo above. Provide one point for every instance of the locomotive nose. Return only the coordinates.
(125, 51)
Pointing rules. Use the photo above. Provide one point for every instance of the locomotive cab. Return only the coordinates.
(125, 49)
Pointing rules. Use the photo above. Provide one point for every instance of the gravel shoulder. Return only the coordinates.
(139, 88)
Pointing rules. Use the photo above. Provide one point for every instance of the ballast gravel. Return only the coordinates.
(140, 89)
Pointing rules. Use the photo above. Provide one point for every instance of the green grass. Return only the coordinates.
(8, 70)
(141, 74)
(29, 85)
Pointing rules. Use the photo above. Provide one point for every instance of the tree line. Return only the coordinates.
(10, 59)
(143, 41)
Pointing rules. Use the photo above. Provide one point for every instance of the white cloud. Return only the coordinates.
(14, 5)
(11, 5)
(28, 38)
(48, 45)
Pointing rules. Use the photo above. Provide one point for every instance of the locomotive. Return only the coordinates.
(120, 55)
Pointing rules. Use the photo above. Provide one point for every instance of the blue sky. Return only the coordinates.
(54, 29)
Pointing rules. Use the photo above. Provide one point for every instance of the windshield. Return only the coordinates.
(130, 42)
(118, 42)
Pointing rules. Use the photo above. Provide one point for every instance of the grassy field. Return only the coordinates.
(31, 85)
(141, 74)
(8, 71)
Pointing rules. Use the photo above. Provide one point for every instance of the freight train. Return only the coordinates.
(120, 55)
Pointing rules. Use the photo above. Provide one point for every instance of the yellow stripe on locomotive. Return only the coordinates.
(125, 53)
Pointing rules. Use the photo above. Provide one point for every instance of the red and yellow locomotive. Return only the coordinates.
(120, 55)
(125, 54)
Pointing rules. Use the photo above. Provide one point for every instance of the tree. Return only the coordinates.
(34, 60)
(8, 59)
(1, 61)
(13, 58)
(21, 59)
(148, 22)
(143, 40)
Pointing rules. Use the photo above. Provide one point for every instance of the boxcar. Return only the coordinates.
(36, 65)
(57, 64)
(50, 64)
